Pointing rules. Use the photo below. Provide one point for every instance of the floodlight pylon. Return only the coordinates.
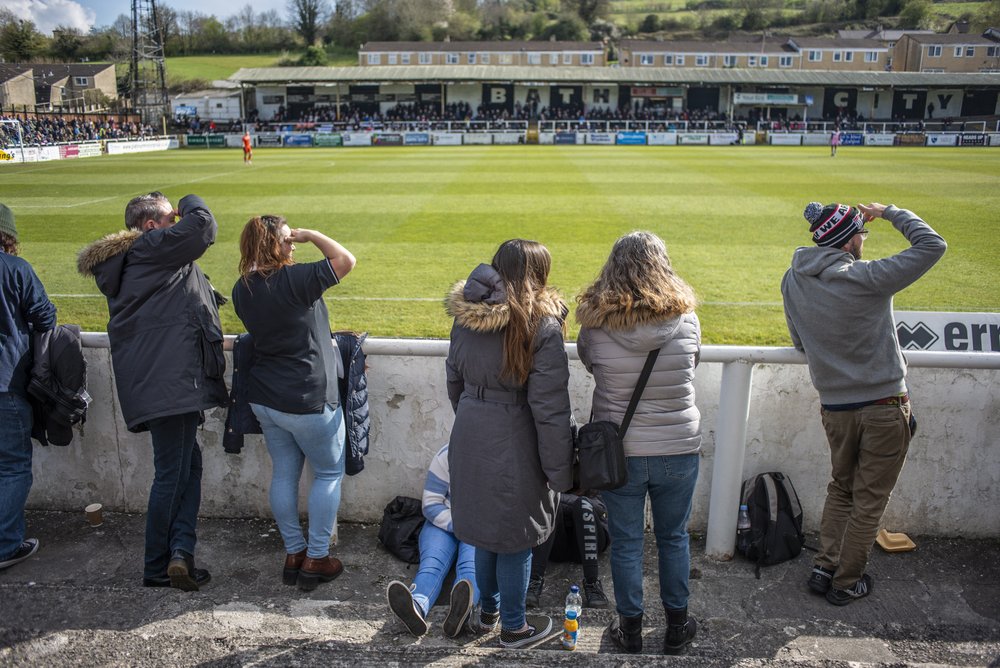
(147, 72)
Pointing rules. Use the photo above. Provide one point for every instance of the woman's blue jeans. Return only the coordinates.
(503, 584)
(292, 439)
(15, 470)
(669, 481)
(438, 550)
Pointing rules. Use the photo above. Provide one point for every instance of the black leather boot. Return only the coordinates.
(626, 633)
(681, 630)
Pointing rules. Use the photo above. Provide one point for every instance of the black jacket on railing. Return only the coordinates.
(353, 388)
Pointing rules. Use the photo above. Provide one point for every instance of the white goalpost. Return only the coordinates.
(20, 136)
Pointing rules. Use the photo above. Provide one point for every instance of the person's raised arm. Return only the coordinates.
(341, 259)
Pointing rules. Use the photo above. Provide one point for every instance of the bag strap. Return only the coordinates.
(640, 386)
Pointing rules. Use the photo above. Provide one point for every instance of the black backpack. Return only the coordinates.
(402, 521)
(775, 519)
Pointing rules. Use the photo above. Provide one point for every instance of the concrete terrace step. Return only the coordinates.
(78, 602)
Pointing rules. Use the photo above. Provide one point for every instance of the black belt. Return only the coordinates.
(497, 396)
(897, 400)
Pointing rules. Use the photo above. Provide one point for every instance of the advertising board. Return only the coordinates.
(327, 139)
(940, 139)
(723, 138)
(357, 139)
(602, 138)
(631, 138)
(387, 139)
(417, 139)
(852, 139)
(564, 138)
(994, 139)
(882, 139)
(972, 139)
(508, 138)
(912, 139)
(446, 138)
(269, 139)
(121, 147)
(815, 139)
(661, 138)
(297, 139)
(477, 138)
(960, 332)
(692, 138)
(784, 140)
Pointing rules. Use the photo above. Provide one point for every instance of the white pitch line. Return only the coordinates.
(105, 199)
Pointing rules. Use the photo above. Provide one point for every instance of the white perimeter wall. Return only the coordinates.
(949, 486)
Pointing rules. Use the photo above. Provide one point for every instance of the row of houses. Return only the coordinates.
(56, 87)
(850, 51)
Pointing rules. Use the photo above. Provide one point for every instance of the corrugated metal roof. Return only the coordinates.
(609, 75)
(450, 47)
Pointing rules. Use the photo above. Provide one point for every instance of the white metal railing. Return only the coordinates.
(734, 408)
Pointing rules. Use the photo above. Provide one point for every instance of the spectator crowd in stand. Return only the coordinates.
(55, 129)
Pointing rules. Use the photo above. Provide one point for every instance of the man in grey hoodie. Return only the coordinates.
(839, 312)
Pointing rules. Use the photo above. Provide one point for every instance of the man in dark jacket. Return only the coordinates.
(166, 349)
(24, 308)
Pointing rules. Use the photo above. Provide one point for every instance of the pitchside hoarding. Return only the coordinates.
(631, 138)
(938, 139)
(958, 332)
(116, 147)
(972, 139)
(880, 140)
(564, 138)
(785, 140)
(851, 139)
(417, 139)
(602, 138)
(662, 138)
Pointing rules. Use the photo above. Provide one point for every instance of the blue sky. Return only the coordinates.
(85, 14)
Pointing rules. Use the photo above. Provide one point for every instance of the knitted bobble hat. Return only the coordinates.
(7, 222)
(832, 225)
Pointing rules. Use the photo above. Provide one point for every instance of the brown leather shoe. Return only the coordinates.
(314, 571)
(293, 562)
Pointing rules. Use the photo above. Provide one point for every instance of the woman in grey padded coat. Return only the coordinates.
(636, 305)
(511, 446)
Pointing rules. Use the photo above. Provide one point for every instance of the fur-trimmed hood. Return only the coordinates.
(635, 325)
(479, 303)
(105, 258)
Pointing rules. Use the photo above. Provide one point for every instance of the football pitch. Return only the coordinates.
(419, 219)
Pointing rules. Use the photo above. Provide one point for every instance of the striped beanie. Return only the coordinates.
(833, 225)
(7, 225)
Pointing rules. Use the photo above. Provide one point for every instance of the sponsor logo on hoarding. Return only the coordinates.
(631, 138)
(851, 139)
(297, 140)
(4, 155)
(387, 140)
(417, 138)
(961, 332)
(912, 139)
(601, 138)
(973, 140)
(564, 138)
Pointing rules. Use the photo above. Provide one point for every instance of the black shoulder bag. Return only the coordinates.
(600, 447)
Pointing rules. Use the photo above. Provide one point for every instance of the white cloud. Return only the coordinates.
(48, 14)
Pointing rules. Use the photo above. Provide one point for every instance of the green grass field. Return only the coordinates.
(419, 219)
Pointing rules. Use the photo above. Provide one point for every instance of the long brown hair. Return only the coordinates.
(261, 249)
(524, 267)
(8, 244)
(638, 271)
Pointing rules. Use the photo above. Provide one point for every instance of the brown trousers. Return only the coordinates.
(867, 450)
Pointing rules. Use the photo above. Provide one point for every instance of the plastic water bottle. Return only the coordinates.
(571, 630)
(574, 602)
(743, 530)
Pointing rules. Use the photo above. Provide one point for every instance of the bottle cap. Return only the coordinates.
(574, 589)
(571, 614)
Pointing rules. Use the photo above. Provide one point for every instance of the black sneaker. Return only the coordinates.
(405, 608)
(593, 595)
(459, 609)
(487, 622)
(26, 549)
(820, 580)
(539, 627)
(534, 595)
(860, 589)
(679, 636)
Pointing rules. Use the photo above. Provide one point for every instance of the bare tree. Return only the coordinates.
(307, 17)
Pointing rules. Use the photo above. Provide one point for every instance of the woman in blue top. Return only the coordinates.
(292, 386)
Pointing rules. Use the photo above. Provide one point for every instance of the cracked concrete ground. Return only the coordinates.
(78, 603)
